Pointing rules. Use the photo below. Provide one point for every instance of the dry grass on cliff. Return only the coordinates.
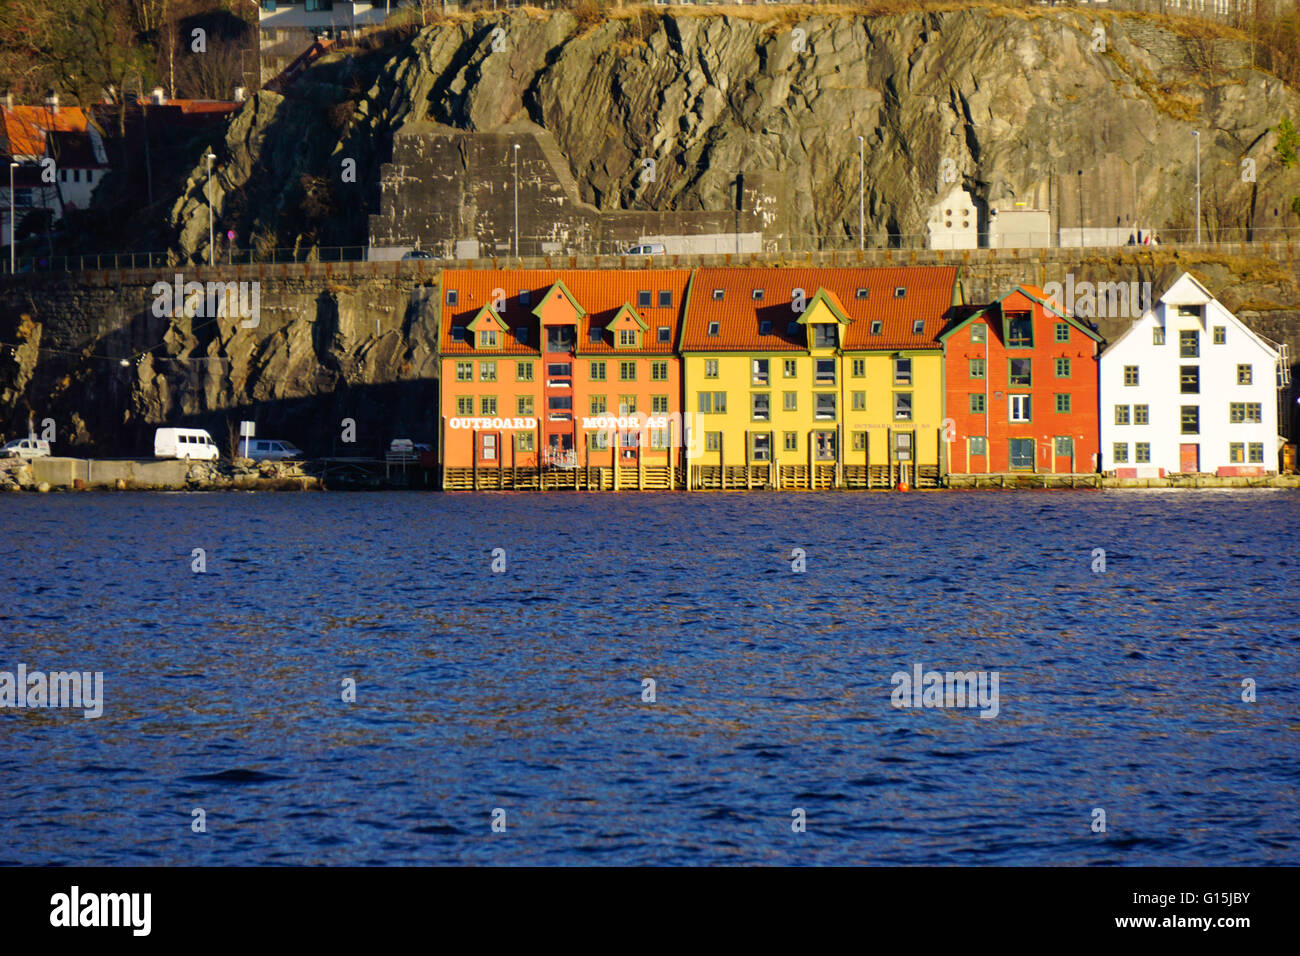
(1245, 268)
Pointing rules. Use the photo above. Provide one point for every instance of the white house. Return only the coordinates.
(1188, 388)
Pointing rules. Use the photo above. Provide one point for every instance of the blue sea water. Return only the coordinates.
(522, 690)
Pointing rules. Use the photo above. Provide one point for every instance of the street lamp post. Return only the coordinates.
(13, 224)
(1082, 241)
(211, 244)
(861, 182)
(1197, 134)
(516, 162)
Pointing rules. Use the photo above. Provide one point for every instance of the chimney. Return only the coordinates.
(8, 100)
(241, 94)
(159, 96)
(52, 102)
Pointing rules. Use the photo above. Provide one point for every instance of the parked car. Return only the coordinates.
(418, 254)
(649, 249)
(268, 449)
(25, 448)
(184, 443)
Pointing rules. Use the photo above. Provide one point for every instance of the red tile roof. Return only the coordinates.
(24, 127)
(929, 296)
(601, 292)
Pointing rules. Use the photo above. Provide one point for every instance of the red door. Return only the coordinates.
(1189, 458)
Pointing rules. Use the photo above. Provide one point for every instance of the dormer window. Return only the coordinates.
(714, 328)
(524, 296)
(918, 326)
(860, 294)
(458, 333)
(792, 328)
(488, 338)
(877, 326)
(453, 297)
(643, 299)
(663, 334)
(665, 298)
(758, 295)
(627, 338)
(765, 327)
(521, 335)
(899, 291)
(717, 295)
(595, 333)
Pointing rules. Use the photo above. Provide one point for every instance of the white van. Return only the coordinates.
(25, 448)
(268, 449)
(184, 443)
(649, 249)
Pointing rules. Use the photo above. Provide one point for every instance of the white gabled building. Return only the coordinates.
(1188, 388)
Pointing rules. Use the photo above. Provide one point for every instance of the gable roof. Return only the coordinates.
(600, 295)
(23, 128)
(1031, 292)
(929, 294)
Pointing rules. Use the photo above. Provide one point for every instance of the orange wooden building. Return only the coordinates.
(562, 368)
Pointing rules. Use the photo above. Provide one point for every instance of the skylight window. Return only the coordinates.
(899, 292)
(717, 295)
(765, 327)
(861, 294)
(877, 326)
(453, 297)
(758, 295)
(918, 326)
(714, 327)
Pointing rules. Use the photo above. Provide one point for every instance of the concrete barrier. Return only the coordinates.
(62, 472)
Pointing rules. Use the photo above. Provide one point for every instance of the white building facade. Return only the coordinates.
(1189, 389)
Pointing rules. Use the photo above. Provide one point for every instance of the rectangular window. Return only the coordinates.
(979, 445)
(1236, 453)
(1020, 408)
(1189, 380)
(859, 400)
(1189, 343)
(658, 371)
(1020, 330)
(902, 371)
(1158, 335)
(595, 334)
(825, 407)
(627, 404)
(643, 299)
(598, 371)
(600, 440)
(464, 371)
(760, 406)
(902, 406)
(1119, 453)
(825, 369)
(719, 402)
(978, 333)
(1243, 412)
(1191, 419)
(791, 441)
(1220, 335)
(1122, 415)
(1062, 403)
(562, 403)
(465, 405)
(858, 441)
(1142, 452)
(1062, 331)
(1064, 447)
(824, 335)
(524, 405)
(487, 405)
(663, 334)
(859, 368)
(759, 368)
(877, 326)
(488, 338)
(452, 297)
(1063, 368)
(1245, 374)
(760, 447)
(659, 404)
(1130, 375)
(523, 371)
(559, 370)
(791, 368)
(627, 371)
(665, 298)
(977, 368)
(1141, 414)
(658, 438)
(599, 405)
(1021, 373)
(712, 441)
(487, 371)
(790, 401)
(1257, 453)
(627, 338)
(1022, 454)
(710, 368)
(525, 441)
(977, 405)
(713, 329)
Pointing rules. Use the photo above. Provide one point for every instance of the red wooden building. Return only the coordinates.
(1020, 389)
